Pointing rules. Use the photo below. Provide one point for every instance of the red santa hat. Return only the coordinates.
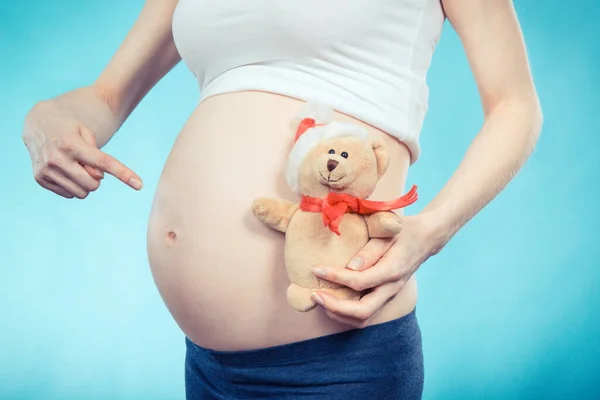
(315, 124)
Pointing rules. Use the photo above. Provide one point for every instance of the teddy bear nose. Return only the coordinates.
(331, 164)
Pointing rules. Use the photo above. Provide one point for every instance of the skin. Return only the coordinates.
(340, 165)
(491, 36)
(64, 136)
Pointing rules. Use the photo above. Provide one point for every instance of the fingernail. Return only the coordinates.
(319, 272)
(135, 183)
(356, 263)
(317, 298)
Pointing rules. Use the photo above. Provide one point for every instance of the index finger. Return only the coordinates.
(94, 157)
(369, 254)
(385, 270)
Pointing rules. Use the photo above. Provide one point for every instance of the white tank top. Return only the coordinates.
(365, 58)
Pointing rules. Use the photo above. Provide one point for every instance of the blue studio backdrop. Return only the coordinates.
(509, 309)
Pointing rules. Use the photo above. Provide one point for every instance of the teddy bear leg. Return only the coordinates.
(300, 298)
(343, 293)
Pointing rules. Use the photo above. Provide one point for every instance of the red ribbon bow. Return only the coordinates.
(335, 205)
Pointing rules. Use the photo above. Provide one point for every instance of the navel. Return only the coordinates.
(171, 237)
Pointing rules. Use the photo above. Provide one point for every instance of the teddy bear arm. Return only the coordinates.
(383, 224)
(274, 213)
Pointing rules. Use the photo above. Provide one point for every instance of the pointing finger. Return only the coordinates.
(96, 158)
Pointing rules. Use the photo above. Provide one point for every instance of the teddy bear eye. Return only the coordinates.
(332, 151)
(344, 154)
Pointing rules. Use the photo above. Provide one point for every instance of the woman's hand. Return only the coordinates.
(63, 147)
(63, 135)
(383, 266)
(493, 42)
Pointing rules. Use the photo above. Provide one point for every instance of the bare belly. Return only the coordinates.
(219, 271)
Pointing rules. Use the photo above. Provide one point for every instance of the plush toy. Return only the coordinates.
(334, 168)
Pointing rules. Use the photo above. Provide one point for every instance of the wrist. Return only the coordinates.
(439, 228)
(90, 106)
(105, 96)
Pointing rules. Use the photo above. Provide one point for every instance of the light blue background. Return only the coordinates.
(509, 309)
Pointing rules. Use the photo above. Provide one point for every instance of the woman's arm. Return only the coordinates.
(493, 42)
(146, 55)
(494, 45)
(63, 134)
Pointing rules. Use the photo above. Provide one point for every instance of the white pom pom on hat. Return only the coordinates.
(315, 124)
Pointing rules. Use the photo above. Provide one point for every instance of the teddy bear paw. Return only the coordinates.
(259, 209)
(385, 224)
(392, 226)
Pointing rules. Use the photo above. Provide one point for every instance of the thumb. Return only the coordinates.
(370, 254)
(90, 138)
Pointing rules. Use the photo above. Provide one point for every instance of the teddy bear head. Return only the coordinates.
(342, 164)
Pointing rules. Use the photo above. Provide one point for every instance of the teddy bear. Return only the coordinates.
(333, 167)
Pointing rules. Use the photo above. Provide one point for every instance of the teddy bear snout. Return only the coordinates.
(331, 164)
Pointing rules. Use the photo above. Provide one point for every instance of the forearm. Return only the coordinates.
(498, 152)
(146, 55)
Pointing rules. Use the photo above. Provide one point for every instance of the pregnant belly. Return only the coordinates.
(219, 271)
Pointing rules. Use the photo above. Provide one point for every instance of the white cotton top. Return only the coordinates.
(365, 58)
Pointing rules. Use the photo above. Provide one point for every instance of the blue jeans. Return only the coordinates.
(383, 361)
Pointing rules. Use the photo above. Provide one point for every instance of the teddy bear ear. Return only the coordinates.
(381, 155)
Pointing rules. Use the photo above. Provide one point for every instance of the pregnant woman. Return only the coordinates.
(220, 272)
